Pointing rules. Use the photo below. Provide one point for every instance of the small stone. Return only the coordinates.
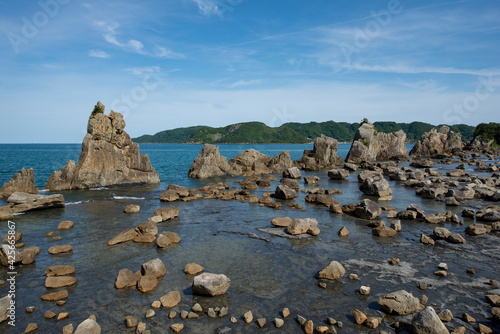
(484, 329)
(301, 320)
(171, 299)
(441, 273)
(60, 249)
(471, 271)
(459, 330)
(150, 313)
(31, 328)
(424, 299)
(234, 320)
(343, 232)
(309, 327)
(261, 322)
(49, 315)
(285, 312)
(193, 269)
(197, 308)
(132, 208)
(172, 314)
(141, 328)
(493, 299)
(422, 286)
(55, 239)
(223, 312)
(364, 290)
(60, 302)
(322, 329)
(467, 318)
(445, 315)
(68, 329)
(443, 266)
(50, 234)
(192, 315)
(359, 316)
(331, 321)
(278, 322)
(65, 225)
(353, 277)
(62, 315)
(340, 324)
(394, 261)
(248, 317)
(373, 322)
(156, 304)
(211, 313)
(184, 314)
(177, 328)
(30, 309)
(322, 285)
(493, 282)
(130, 321)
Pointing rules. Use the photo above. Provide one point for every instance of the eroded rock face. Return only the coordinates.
(370, 145)
(24, 181)
(108, 157)
(323, 155)
(437, 143)
(246, 159)
(209, 163)
(22, 202)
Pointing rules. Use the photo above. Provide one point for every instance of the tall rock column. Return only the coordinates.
(323, 155)
(108, 157)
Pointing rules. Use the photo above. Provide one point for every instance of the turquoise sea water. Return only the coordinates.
(267, 274)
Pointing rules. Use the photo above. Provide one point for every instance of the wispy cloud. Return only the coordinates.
(98, 54)
(141, 70)
(208, 7)
(241, 83)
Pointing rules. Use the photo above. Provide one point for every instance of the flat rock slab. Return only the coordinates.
(59, 281)
(55, 296)
(281, 232)
(65, 225)
(60, 270)
(60, 249)
(127, 235)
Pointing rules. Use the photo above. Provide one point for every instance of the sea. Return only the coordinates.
(268, 273)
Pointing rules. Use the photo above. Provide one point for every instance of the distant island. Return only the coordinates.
(288, 133)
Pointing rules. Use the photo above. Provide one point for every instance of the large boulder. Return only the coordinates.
(428, 322)
(284, 192)
(432, 191)
(376, 186)
(368, 209)
(108, 157)
(338, 174)
(209, 163)
(438, 143)
(280, 162)
(248, 158)
(24, 181)
(400, 302)
(301, 226)
(370, 145)
(22, 202)
(323, 155)
(154, 267)
(292, 173)
(334, 270)
(207, 284)
(88, 326)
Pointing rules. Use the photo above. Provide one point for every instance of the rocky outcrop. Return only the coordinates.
(438, 143)
(23, 202)
(323, 155)
(24, 181)
(370, 145)
(209, 163)
(108, 157)
(478, 144)
(246, 159)
(280, 161)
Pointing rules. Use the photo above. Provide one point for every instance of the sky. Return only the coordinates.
(166, 64)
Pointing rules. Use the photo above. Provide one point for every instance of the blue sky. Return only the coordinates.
(166, 64)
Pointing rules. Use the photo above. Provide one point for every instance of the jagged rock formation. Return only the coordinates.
(370, 145)
(24, 181)
(108, 157)
(209, 163)
(323, 155)
(478, 144)
(438, 143)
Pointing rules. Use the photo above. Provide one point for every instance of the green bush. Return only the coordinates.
(98, 109)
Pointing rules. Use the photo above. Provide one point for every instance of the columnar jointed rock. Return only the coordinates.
(210, 284)
(370, 145)
(24, 181)
(108, 157)
(323, 155)
(435, 143)
(209, 163)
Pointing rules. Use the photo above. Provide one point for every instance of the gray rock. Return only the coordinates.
(442, 233)
(400, 302)
(23, 202)
(209, 163)
(368, 209)
(338, 174)
(292, 173)
(207, 284)
(24, 181)
(88, 326)
(284, 192)
(154, 267)
(428, 322)
(4, 308)
(376, 186)
(435, 143)
(323, 155)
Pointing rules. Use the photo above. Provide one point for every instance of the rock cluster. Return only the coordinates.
(323, 155)
(108, 157)
(371, 145)
(438, 143)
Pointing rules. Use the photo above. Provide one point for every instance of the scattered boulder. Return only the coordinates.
(24, 182)
(432, 191)
(88, 326)
(301, 226)
(428, 322)
(442, 233)
(456, 239)
(55, 296)
(132, 208)
(370, 145)
(207, 284)
(60, 249)
(126, 278)
(209, 163)
(247, 159)
(376, 186)
(171, 299)
(65, 225)
(59, 281)
(426, 239)
(108, 157)
(400, 302)
(154, 267)
(23, 202)
(384, 232)
(284, 192)
(147, 283)
(338, 174)
(4, 308)
(292, 173)
(193, 269)
(368, 209)
(323, 155)
(333, 271)
(281, 221)
(167, 213)
(124, 236)
(311, 179)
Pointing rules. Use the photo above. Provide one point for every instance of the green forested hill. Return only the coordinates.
(258, 133)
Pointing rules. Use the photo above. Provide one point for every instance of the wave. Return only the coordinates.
(18, 213)
(43, 190)
(127, 197)
(98, 188)
(79, 202)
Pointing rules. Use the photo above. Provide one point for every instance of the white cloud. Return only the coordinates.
(166, 53)
(245, 83)
(142, 70)
(208, 7)
(98, 54)
(136, 46)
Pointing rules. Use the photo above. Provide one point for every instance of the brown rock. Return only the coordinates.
(174, 237)
(171, 299)
(28, 255)
(261, 322)
(207, 284)
(167, 213)
(209, 163)
(132, 208)
(399, 302)
(55, 296)
(65, 225)
(177, 328)
(24, 181)
(484, 329)
(333, 271)
(281, 221)
(384, 232)
(147, 283)
(31, 328)
(309, 327)
(62, 315)
(154, 267)
(445, 315)
(343, 232)
(467, 318)
(59, 281)
(126, 278)
(60, 270)
(248, 317)
(162, 241)
(23, 202)
(130, 321)
(49, 315)
(426, 239)
(60, 249)
(193, 269)
(359, 316)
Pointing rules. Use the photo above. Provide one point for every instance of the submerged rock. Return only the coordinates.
(108, 157)
(88, 326)
(370, 145)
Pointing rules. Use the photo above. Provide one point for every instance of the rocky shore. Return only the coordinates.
(376, 168)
